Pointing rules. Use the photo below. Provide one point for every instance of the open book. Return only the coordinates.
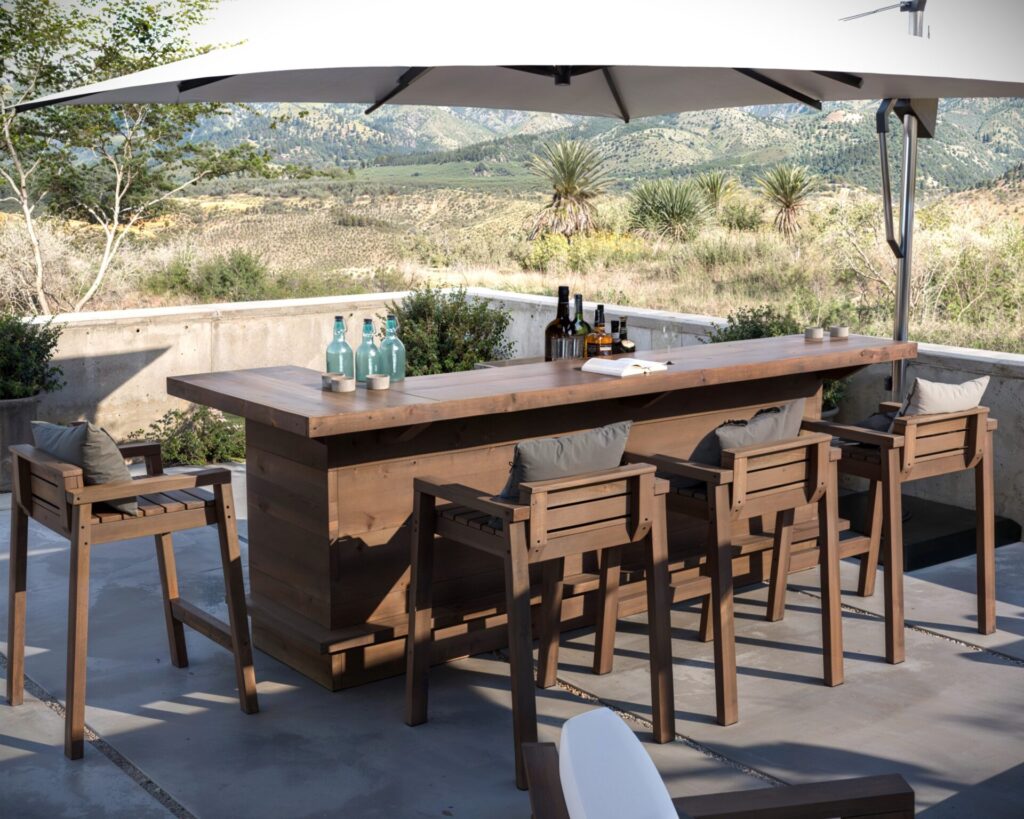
(621, 367)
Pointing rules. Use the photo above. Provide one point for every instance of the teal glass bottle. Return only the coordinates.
(339, 355)
(367, 355)
(392, 351)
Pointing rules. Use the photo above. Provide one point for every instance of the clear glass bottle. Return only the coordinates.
(392, 352)
(367, 355)
(339, 354)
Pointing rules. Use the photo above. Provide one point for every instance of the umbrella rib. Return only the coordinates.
(614, 88)
(851, 80)
(780, 87)
(407, 79)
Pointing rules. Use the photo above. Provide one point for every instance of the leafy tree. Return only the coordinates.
(787, 188)
(42, 44)
(716, 187)
(577, 176)
(26, 357)
(667, 208)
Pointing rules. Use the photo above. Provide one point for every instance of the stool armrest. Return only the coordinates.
(148, 450)
(679, 468)
(901, 422)
(149, 485)
(473, 498)
(887, 795)
(47, 463)
(857, 434)
(890, 406)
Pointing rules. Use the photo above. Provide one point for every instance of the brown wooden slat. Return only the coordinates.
(945, 442)
(566, 497)
(776, 476)
(51, 493)
(168, 503)
(206, 624)
(150, 507)
(190, 501)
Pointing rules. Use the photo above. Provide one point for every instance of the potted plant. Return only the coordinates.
(26, 371)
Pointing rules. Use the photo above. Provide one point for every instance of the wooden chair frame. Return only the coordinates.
(757, 481)
(920, 446)
(54, 495)
(553, 520)
(881, 797)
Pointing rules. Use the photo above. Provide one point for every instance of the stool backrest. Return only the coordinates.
(782, 475)
(572, 515)
(41, 483)
(942, 439)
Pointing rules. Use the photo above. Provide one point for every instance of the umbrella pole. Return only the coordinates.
(918, 116)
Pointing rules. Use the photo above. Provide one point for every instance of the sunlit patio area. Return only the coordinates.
(165, 741)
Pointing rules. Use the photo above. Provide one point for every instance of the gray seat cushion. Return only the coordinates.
(91, 448)
(544, 459)
(768, 426)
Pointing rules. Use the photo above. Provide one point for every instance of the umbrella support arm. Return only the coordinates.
(918, 118)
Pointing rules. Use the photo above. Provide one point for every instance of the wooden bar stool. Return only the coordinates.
(553, 520)
(54, 495)
(761, 480)
(920, 446)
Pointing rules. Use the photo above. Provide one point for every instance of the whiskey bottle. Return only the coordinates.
(599, 342)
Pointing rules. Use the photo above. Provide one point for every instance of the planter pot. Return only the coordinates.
(829, 414)
(16, 417)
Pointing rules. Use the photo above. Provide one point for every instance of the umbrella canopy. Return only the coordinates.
(626, 61)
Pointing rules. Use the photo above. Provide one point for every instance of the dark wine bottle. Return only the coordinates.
(580, 329)
(558, 334)
(616, 343)
(626, 344)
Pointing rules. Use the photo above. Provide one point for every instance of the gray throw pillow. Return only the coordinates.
(768, 426)
(879, 422)
(542, 459)
(934, 397)
(91, 448)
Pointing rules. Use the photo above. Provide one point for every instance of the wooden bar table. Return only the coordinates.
(330, 478)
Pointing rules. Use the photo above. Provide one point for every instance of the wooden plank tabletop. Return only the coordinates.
(290, 398)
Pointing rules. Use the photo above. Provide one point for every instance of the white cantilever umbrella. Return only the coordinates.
(611, 59)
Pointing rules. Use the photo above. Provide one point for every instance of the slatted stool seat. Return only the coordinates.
(762, 480)
(918, 447)
(555, 519)
(53, 494)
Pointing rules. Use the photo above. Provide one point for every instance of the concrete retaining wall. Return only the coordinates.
(116, 363)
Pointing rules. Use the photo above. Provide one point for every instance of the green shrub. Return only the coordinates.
(540, 253)
(446, 331)
(755, 322)
(235, 276)
(196, 436)
(26, 357)
(667, 208)
(741, 215)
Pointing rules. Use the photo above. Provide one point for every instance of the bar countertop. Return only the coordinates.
(291, 399)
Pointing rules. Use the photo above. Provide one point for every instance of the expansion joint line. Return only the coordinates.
(109, 751)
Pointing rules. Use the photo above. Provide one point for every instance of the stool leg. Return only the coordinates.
(783, 542)
(551, 621)
(831, 609)
(169, 584)
(659, 626)
(720, 558)
(892, 536)
(607, 610)
(869, 561)
(706, 632)
(520, 644)
(984, 505)
(418, 642)
(16, 601)
(234, 586)
(78, 632)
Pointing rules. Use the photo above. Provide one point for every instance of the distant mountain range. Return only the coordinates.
(976, 140)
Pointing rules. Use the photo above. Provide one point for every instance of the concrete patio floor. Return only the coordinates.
(173, 741)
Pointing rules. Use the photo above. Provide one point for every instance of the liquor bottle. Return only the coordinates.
(392, 352)
(599, 342)
(627, 345)
(580, 329)
(616, 339)
(367, 355)
(558, 333)
(339, 354)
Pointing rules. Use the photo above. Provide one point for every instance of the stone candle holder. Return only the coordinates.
(340, 383)
(814, 334)
(378, 382)
(839, 332)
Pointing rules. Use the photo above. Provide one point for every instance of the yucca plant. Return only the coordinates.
(667, 208)
(716, 187)
(787, 187)
(577, 176)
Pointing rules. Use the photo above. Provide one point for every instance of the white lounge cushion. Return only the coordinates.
(933, 397)
(606, 773)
